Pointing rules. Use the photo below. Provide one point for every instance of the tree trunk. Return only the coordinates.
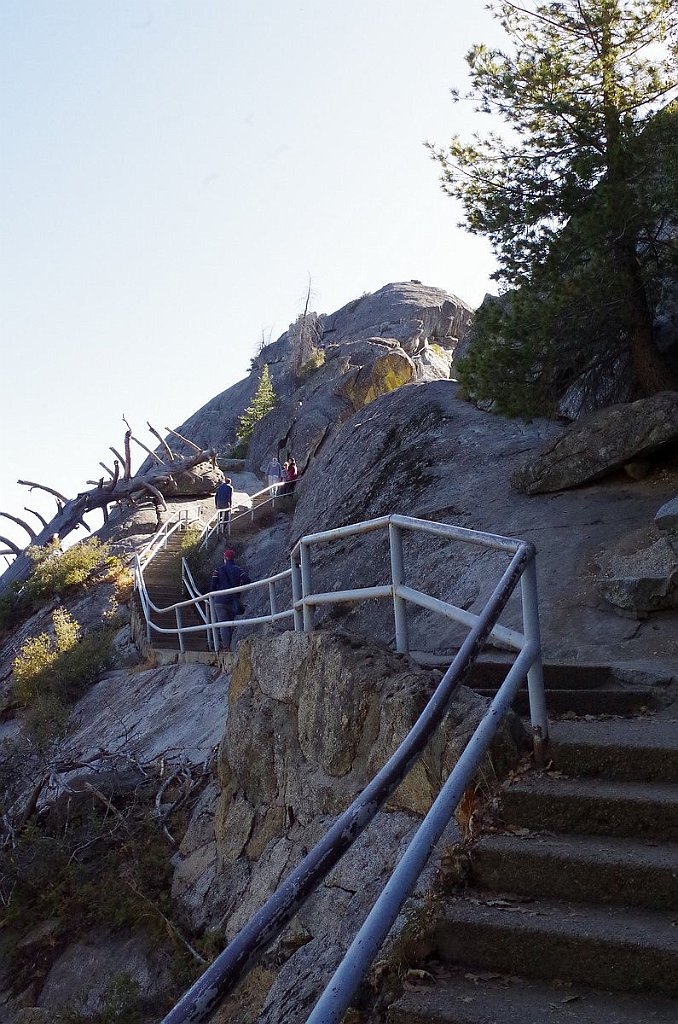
(652, 372)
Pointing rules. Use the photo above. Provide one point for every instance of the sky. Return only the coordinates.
(172, 175)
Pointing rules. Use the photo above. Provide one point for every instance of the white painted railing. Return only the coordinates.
(304, 600)
(220, 522)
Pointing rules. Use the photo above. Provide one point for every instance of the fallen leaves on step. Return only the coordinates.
(416, 977)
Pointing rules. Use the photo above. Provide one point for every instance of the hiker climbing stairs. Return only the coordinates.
(162, 575)
(569, 911)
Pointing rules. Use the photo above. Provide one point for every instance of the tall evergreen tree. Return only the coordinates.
(572, 200)
(262, 403)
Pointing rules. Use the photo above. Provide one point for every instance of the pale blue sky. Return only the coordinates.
(171, 171)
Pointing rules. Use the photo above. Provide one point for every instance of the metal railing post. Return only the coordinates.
(213, 619)
(296, 593)
(306, 586)
(395, 537)
(535, 676)
(208, 627)
(272, 598)
(178, 612)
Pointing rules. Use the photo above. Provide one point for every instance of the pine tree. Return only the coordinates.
(572, 200)
(262, 403)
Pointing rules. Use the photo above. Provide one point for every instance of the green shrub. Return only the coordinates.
(55, 571)
(201, 561)
(51, 673)
(239, 450)
(122, 1004)
(313, 363)
(12, 608)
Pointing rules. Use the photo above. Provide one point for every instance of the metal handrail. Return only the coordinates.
(246, 948)
(162, 535)
(213, 522)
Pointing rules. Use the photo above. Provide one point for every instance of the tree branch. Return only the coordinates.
(20, 522)
(12, 547)
(154, 455)
(162, 441)
(41, 487)
(128, 454)
(184, 439)
(155, 492)
(37, 515)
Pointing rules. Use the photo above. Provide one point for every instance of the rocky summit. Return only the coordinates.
(152, 798)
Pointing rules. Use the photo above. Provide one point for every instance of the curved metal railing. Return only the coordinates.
(247, 947)
(202, 602)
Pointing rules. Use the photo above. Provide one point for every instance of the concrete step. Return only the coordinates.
(645, 748)
(597, 870)
(490, 670)
(600, 701)
(189, 645)
(594, 806)
(605, 947)
(168, 595)
(170, 619)
(486, 998)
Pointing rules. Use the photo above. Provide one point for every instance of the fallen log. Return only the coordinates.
(128, 490)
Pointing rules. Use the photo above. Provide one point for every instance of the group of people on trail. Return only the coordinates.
(229, 574)
(282, 478)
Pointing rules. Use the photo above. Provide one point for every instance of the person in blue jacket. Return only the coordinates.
(223, 499)
(227, 607)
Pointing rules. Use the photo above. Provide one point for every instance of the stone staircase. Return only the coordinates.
(163, 577)
(569, 911)
(163, 582)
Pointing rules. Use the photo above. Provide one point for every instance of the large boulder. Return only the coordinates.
(198, 482)
(666, 517)
(639, 575)
(413, 314)
(601, 444)
(389, 370)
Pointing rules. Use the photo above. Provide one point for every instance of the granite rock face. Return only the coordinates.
(421, 451)
(362, 384)
(404, 331)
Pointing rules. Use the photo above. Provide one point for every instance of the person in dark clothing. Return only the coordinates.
(227, 607)
(223, 500)
(292, 474)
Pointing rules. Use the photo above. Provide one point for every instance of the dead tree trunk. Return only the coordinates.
(70, 512)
